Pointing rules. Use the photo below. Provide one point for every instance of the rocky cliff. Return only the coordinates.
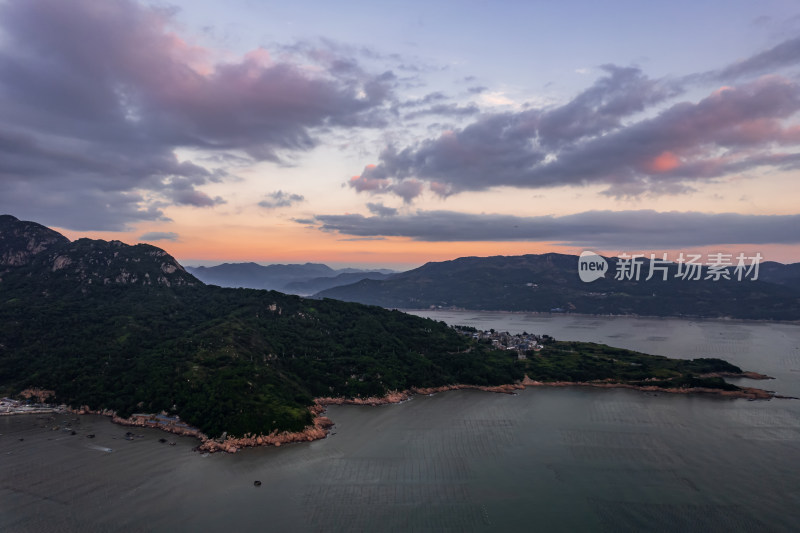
(29, 249)
(21, 241)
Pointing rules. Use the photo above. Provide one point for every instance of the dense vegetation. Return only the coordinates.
(231, 360)
(585, 361)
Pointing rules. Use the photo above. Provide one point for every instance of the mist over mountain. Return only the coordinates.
(301, 279)
(312, 286)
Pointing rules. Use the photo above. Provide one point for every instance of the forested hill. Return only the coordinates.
(121, 327)
(550, 283)
(40, 259)
(124, 327)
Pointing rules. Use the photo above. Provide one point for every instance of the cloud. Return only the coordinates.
(381, 210)
(64, 206)
(280, 199)
(639, 229)
(447, 110)
(96, 97)
(628, 132)
(601, 108)
(784, 54)
(159, 236)
(428, 99)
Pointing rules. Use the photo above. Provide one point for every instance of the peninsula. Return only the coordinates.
(125, 331)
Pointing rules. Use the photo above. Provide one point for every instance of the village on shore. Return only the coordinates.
(503, 340)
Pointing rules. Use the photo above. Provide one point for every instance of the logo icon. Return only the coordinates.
(591, 266)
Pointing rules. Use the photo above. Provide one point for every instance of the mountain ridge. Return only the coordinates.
(83, 261)
(550, 283)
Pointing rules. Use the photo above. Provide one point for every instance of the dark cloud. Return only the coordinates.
(478, 89)
(159, 236)
(644, 229)
(372, 180)
(780, 56)
(95, 97)
(447, 110)
(625, 132)
(428, 99)
(601, 108)
(59, 204)
(280, 199)
(381, 210)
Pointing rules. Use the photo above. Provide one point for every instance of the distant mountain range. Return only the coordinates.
(550, 283)
(305, 279)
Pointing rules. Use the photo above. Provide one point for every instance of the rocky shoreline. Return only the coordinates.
(321, 425)
(748, 375)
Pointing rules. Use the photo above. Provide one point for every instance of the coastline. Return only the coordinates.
(321, 425)
(748, 393)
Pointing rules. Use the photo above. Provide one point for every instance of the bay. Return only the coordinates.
(561, 459)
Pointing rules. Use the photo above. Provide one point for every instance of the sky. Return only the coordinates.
(389, 134)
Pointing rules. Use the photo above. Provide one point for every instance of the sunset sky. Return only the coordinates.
(394, 133)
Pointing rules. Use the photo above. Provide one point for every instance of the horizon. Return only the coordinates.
(281, 134)
(399, 267)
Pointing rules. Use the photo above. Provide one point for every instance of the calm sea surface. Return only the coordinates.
(562, 459)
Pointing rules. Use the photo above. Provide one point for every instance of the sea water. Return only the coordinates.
(546, 459)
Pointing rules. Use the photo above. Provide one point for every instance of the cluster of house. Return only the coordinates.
(503, 340)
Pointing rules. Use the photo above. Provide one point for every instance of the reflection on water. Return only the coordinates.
(567, 459)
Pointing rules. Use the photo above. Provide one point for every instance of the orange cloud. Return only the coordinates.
(722, 89)
(664, 163)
